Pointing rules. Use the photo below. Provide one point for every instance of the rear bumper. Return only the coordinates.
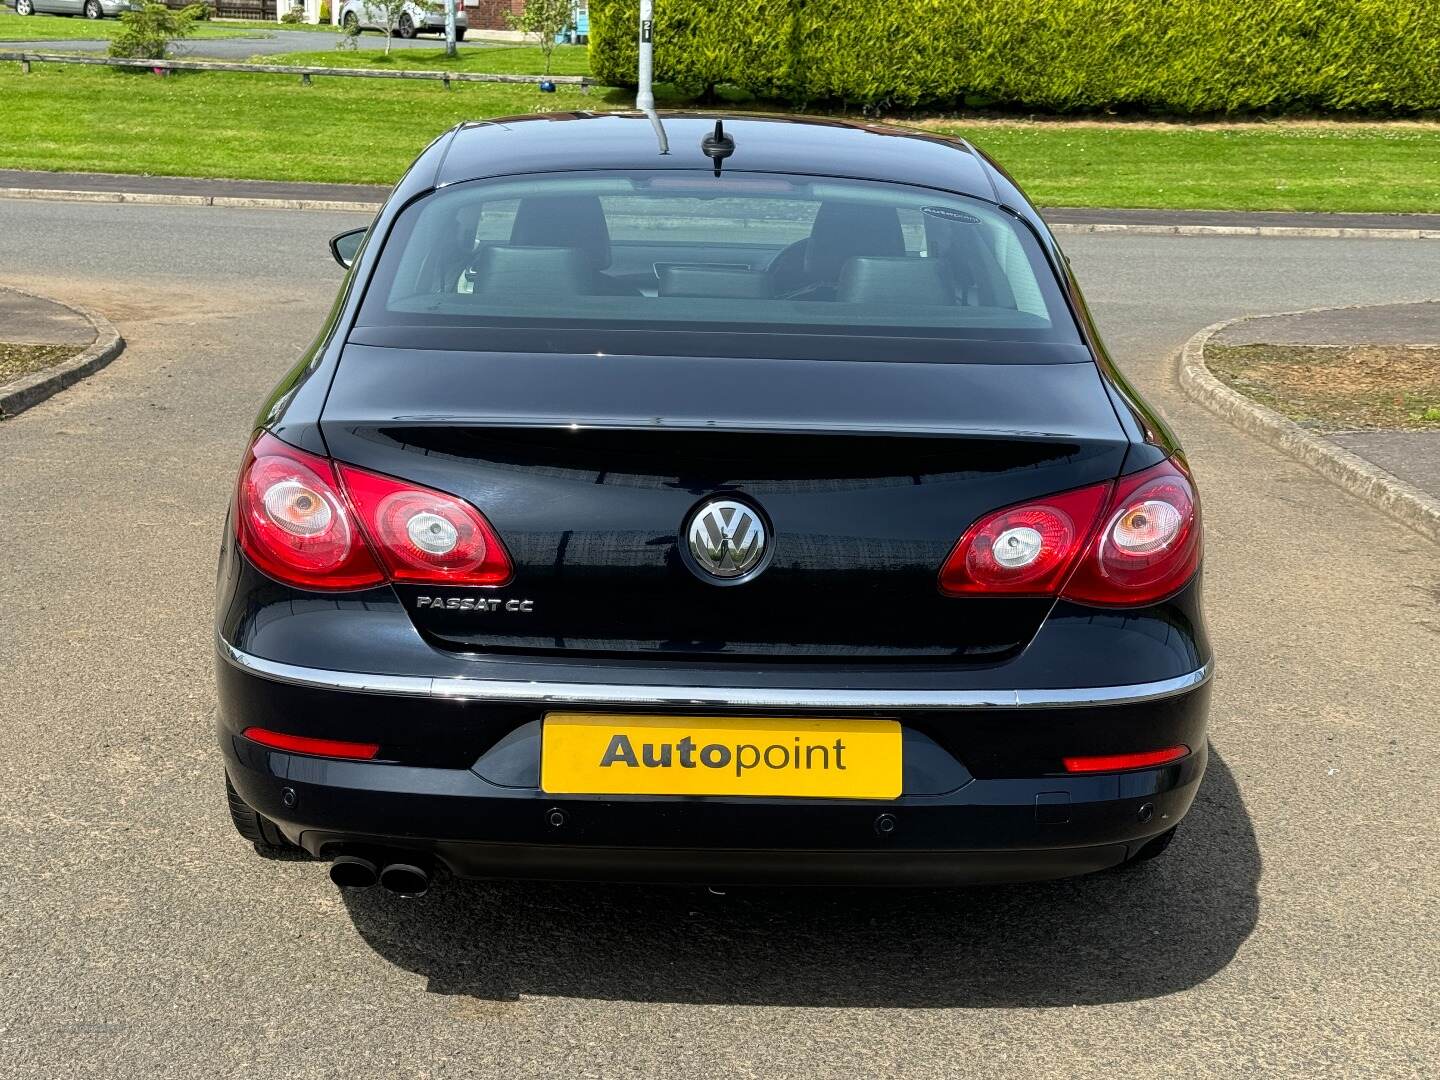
(465, 788)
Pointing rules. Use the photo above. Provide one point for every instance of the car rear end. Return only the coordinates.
(664, 526)
(431, 20)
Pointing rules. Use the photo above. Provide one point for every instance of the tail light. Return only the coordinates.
(293, 523)
(1145, 759)
(308, 522)
(1024, 550)
(425, 536)
(304, 744)
(1149, 544)
(1124, 544)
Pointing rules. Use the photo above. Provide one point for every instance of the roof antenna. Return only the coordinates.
(645, 95)
(718, 146)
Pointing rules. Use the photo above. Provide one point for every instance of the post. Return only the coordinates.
(645, 98)
(24, 67)
(449, 31)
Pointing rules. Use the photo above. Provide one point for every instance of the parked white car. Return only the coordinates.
(417, 18)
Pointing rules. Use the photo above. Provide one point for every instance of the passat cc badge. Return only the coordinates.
(727, 541)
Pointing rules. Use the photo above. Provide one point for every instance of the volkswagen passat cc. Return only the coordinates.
(758, 507)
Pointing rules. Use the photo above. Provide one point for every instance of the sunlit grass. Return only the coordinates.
(368, 131)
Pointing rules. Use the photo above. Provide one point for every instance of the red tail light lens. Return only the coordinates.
(1123, 548)
(292, 523)
(303, 744)
(1145, 759)
(426, 536)
(1150, 544)
(1025, 550)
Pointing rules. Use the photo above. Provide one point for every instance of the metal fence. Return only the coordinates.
(245, 9)
(25, 59)
(233, 9)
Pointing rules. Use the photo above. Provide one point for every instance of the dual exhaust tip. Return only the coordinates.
(403, 878)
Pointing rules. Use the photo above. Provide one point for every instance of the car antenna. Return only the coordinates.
(645, 93)
(718, 146)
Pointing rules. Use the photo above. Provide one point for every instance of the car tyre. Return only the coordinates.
(24, 7)
(92, 10)
(406, 27)
(269, 842)
(459, 34)
(351, 21)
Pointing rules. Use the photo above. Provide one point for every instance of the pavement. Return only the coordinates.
(1413, 456)
(1290, 931)
(1078, 220)
(33, 320)
(191, 186)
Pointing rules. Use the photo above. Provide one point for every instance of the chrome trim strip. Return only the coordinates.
(747, 697)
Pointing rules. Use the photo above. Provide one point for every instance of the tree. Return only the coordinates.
(390, 12)
(148, 33)
(546, 18)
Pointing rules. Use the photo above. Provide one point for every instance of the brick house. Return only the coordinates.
(490, 14)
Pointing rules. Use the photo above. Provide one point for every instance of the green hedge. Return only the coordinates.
(1170, 56)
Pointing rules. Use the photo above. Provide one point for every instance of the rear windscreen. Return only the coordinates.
(686, 255)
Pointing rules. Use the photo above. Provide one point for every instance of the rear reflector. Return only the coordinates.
(301, 744)
(1120, 762)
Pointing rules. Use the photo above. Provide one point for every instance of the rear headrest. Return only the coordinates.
(527, 271)
(574, 221)
(843, 230)
(870, 279)
(707, 281)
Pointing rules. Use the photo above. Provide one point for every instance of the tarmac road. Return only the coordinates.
(1291, 930)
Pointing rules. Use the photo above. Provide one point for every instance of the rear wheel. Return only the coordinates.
(406, 28)
(459, 34)
(24, 7)
(352, 22)
(260, 831)
(92, 9)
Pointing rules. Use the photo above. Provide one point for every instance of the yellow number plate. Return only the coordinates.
(589, 754)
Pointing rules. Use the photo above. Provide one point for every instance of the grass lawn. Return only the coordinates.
(1299, 165)
(20, 360)
(1338, 388)
(493, 59)
(351, 130)
(60, 27)
(265, 127)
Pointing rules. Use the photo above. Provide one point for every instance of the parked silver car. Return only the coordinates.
(417, 18)
(91, 9)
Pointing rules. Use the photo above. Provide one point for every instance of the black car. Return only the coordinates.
(757, 507)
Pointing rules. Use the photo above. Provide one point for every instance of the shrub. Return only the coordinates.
(1173, 56)
(295, 15)
(325, 12)
(147, 34)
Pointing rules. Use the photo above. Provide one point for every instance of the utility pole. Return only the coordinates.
(645, 98)
(449, 28)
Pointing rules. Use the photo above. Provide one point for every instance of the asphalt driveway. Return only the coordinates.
(1291, 930)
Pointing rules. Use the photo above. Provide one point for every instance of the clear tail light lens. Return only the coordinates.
(1025, 550)
(1150, 544)
(293, 524)
(1125, 544)
(425, 536)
